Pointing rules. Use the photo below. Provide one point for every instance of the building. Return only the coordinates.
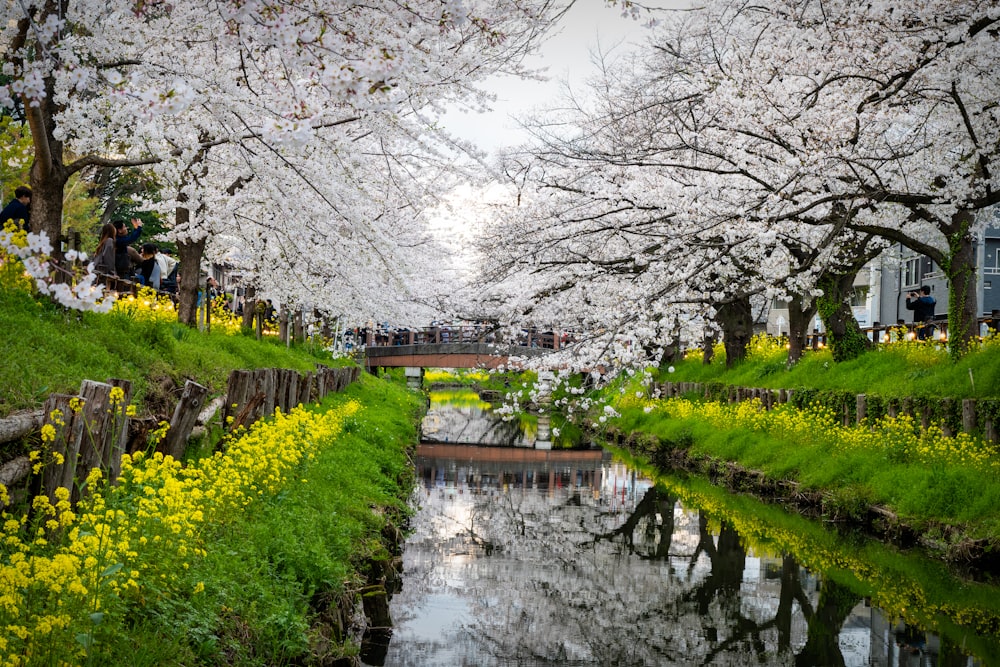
(880, 288)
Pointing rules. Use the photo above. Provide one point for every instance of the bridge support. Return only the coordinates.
(414, 377)
(543, 438)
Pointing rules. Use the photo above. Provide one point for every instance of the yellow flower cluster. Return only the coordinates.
(62, 572)
(767, 348)
(12, 274)
(148, 305)
(223, 319)
(899, 438)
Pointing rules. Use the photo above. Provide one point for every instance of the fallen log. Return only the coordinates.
(17, 425)
(14, 471)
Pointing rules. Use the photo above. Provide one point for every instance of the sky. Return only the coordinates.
(589, 26)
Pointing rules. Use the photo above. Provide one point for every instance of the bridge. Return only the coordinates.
(453, 347)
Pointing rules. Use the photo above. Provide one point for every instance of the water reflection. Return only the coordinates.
(459, 415)
(525, 557)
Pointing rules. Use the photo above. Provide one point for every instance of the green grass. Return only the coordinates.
(271, 578)
(899, 369)
(47, 350)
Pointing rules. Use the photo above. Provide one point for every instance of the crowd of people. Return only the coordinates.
(115, 253)
(117, 256)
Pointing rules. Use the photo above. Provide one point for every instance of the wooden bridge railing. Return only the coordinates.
(437, 335)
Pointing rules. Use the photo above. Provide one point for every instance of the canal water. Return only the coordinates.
(527, 557)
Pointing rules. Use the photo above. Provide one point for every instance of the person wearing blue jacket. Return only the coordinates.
(18, 209)
(125, 254)
(922, 304)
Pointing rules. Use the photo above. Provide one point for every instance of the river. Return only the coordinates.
(526, 557)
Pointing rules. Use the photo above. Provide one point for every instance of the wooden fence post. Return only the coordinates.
(320, 382)
(69, 431)
(185, 415)
(307, 393)
(96, 427)
(270, 391)
(237, 394)
(861, 408)
(969, 415)
(119, 435)
(946, 428)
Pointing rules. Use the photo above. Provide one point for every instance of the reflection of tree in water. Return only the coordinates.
(469, 425)
(574, 570)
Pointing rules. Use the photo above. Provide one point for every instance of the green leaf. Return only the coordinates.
(111, 569)
(97, 617)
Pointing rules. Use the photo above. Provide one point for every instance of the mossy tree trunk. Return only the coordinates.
(963, 301)
(189, 255)
(707, 349)
(844, 335)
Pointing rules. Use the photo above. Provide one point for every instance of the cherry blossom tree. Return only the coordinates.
(763, 148)
(169, 85)
(882, 117)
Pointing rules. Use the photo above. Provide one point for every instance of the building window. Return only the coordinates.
(779, 304)
(859, 296)
(911, 272)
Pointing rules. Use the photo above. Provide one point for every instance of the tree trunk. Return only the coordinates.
(844, 334)
(283, 325)
(249, 307)
(736, 320)
(48, 173)
(799, 317)
(963, 301)
(707, 349)
(189, 253)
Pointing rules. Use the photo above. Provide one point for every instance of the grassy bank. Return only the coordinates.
(277, 582)
(48, 349)
(907, 368)
(942, 488)
(254, 553)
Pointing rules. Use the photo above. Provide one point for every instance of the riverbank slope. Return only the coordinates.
(264, 548)
(912, 478)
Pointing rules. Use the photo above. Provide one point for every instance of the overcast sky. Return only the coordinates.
(589, 26)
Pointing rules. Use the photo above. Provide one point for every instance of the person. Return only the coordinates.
(125, 254)
(150, 270)
(104, 255)
(922, 304)
(168, 272)
(19, 208)
(157, 269)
